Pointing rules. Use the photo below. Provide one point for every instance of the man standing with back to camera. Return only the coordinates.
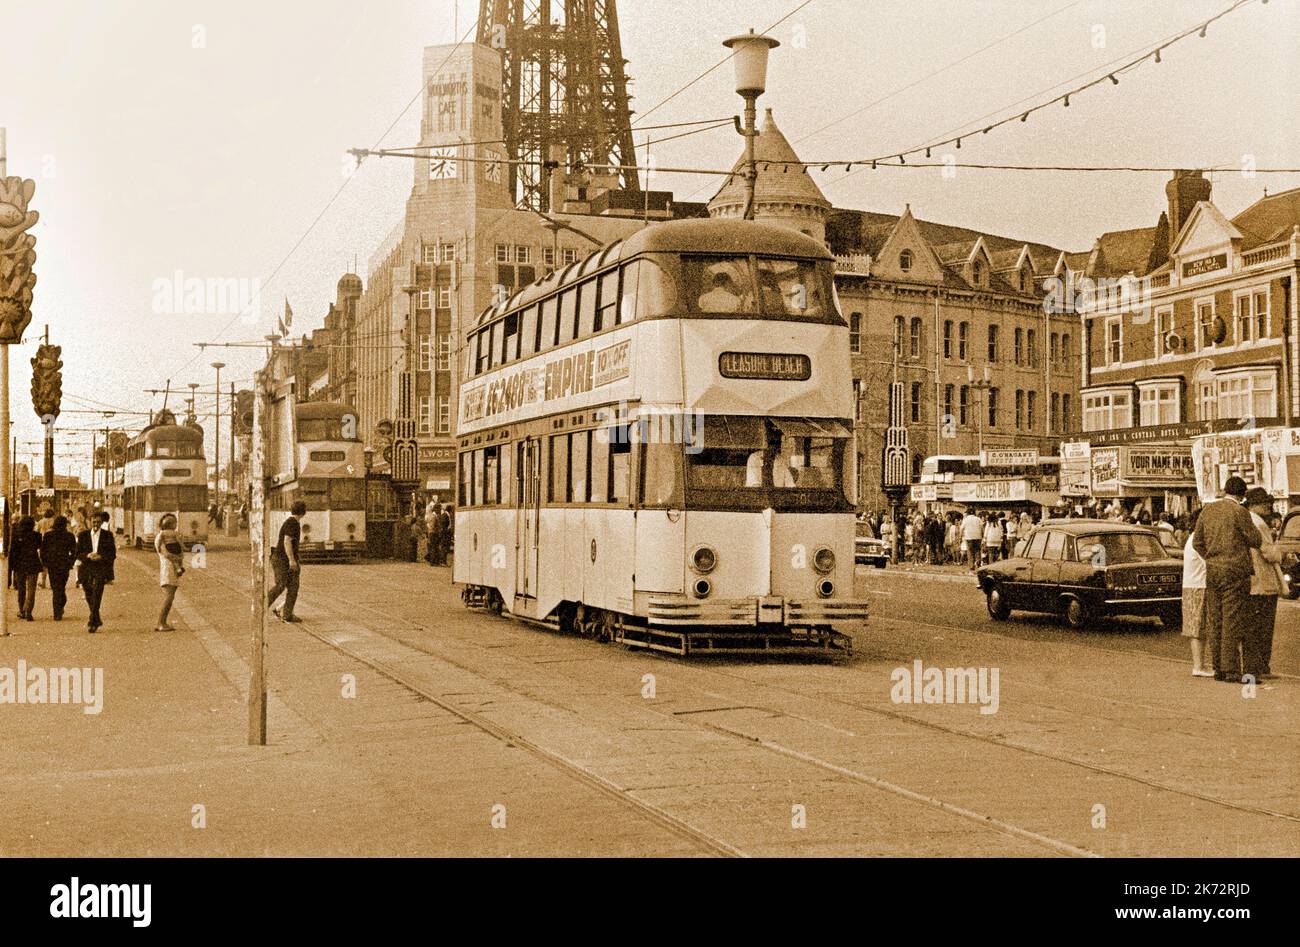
(285, 563)
(1224, 537)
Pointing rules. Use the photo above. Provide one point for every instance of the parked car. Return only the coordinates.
(1087, 569)
(1288, 542)
(868, 549)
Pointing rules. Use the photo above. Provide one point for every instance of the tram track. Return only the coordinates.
(986, 821)
(952, 731)
(712, 843)
(708, 843)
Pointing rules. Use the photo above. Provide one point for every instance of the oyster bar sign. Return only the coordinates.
(558, 378)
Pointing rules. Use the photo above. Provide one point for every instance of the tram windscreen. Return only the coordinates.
(738, 285)
(323, 429)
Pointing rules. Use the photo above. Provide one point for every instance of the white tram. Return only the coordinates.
(165, 472)
(326, 469)
(655, 446)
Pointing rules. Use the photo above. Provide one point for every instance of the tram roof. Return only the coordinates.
(322, 410)
(701, 235)
(170, 432)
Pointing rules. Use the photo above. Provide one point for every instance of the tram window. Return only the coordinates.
(163, 498)
(656, 286)
(718, 284)
(627, 301)
(192, 499)
(465, 465)
(586, 308)
(481, 360)
(791, 287)
(600, 466)
(164, 448)
(660, 473)
(559, 468)
(347, 493)
(495, 352)
(512, 338)
(492, 475)
(607, 307)
(578, 473)
(315, 492)
(476, 484)
(620, 465)
(528, 333)
(568, 315)
(546, 327)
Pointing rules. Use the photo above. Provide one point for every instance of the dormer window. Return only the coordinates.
(1024, 281)
(905, 260)
(977, 273)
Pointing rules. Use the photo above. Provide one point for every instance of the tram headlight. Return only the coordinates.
(702, 588)
(825, 588)
(824, 561)
(194, 526)
(704, 560)
(352, 528)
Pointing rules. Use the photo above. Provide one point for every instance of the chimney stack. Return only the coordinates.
(1184, 190)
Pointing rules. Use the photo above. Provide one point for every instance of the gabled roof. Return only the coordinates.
(1269, 220)
(1119, 252)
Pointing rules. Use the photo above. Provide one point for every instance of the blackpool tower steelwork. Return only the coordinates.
(563, 84)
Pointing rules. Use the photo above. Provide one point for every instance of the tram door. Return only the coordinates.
(528, 471)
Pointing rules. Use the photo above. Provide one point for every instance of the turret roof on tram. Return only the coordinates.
(173, 431)
(314, 410)
(696, 235)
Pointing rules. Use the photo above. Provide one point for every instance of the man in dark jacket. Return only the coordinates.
(96, 551)
(1224, 537)
(58, 553)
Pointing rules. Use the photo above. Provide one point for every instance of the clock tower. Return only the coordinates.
(461, 129)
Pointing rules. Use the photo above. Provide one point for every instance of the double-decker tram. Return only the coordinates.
(321, 463)
(655, 446)
(165, 472)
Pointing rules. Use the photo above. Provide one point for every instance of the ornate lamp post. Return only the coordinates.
(750, 60)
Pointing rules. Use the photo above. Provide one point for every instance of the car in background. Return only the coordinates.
(1087, 569)
(1288, 541)
(868, 549)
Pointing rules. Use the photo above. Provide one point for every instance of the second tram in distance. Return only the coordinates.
(165, 472)
(655, 446)
(326, 470)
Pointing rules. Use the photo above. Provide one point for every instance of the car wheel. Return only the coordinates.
(1076, 616)
(1172, 619)
(880, 563)
(999, 610)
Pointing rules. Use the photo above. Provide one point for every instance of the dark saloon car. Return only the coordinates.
(868, 549)
(1288, 541)
(1086, 569)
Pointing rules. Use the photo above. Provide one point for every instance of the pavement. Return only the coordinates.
(403, 724)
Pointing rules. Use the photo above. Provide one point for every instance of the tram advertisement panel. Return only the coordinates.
(558, 378)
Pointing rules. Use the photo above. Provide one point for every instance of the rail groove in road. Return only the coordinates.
(570, 767)
(983, 820)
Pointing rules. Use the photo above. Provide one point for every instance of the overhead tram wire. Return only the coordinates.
(335, 196)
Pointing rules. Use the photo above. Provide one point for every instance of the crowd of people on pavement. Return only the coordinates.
(1232, 579)
(49, 549)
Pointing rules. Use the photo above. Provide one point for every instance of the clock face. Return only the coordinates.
(442, 164)
(492, 167)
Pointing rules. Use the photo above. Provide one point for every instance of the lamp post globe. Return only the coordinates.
(750, 61)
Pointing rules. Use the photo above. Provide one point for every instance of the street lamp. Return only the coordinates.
(982, 384)
(750, 59)
(216, 479)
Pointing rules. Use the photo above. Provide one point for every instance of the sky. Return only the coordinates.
(174, 140)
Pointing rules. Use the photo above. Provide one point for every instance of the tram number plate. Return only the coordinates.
(769, 365)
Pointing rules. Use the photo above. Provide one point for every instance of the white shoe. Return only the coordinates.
(1196, 673)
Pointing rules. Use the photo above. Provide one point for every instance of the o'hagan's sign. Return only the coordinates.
(559, 378)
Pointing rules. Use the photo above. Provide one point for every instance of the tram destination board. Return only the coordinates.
(766, 365)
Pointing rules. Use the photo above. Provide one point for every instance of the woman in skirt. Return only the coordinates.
(1194, 603)
(170, 567)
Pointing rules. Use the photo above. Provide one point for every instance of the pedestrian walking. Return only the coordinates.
(43, 526)
(993, 537)
(171, 566)
(25, 559)
(1223, 537)
(1194, 608)
(59, 555)
(286, 565)
(972, 534)
(1266, 584)
(96, 552)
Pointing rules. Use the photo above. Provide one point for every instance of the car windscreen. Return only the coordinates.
(1118, 548)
